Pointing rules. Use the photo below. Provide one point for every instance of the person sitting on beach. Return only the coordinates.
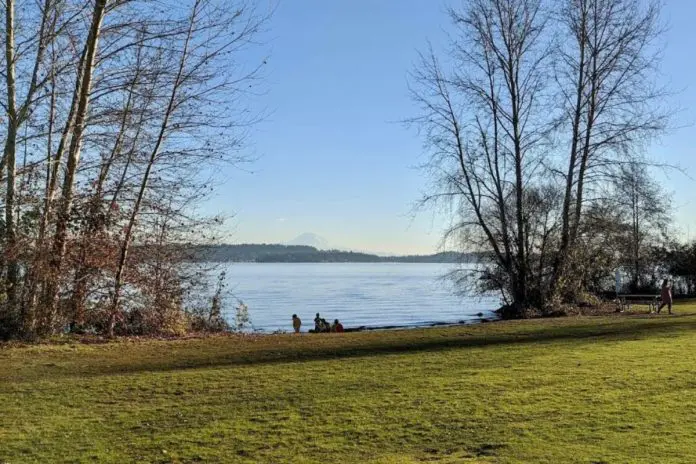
(296, 323)
(337, 327)
(666, 296)
(325, 326)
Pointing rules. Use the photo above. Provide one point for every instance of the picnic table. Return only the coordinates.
(651, 301)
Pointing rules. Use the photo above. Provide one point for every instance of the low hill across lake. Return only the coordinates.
(268, 253)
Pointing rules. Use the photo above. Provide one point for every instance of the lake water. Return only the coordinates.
(371, 295)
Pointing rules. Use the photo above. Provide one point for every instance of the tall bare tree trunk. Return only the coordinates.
(63, 217)
(563, 250)
(9, 155)
(50, 14)
(609, 67)
(16, 117)
(521, 297)
(94, 223)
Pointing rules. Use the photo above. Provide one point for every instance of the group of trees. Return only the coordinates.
(536, 121)
(682, 264)
(113, 113)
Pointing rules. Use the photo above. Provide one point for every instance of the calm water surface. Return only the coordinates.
(371, 295)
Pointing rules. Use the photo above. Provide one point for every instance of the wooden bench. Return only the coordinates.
(651, 301)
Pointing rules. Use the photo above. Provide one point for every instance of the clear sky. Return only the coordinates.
(334, 159)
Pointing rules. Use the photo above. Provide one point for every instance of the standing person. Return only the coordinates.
(317, 323)
(666, 295)
(296, 323)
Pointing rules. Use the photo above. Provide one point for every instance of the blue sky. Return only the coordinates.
(334, 159)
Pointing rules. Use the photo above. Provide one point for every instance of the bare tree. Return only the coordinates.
(17, 115)
(644, 211)
(132, 107)
(482, 122)
(606, 78)
(192, 84)
(527, 121)
(82, 97)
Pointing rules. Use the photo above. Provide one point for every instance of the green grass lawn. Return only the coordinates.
(586, 390)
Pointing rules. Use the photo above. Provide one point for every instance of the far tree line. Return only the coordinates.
(274, 253)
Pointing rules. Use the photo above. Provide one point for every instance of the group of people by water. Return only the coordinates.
(320, 325)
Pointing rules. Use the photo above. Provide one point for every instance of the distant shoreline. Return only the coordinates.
(333, 262)
(270, 253)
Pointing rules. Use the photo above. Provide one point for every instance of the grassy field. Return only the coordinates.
(586, 390)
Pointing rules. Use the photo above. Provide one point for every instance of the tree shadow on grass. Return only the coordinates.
(287, 351)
